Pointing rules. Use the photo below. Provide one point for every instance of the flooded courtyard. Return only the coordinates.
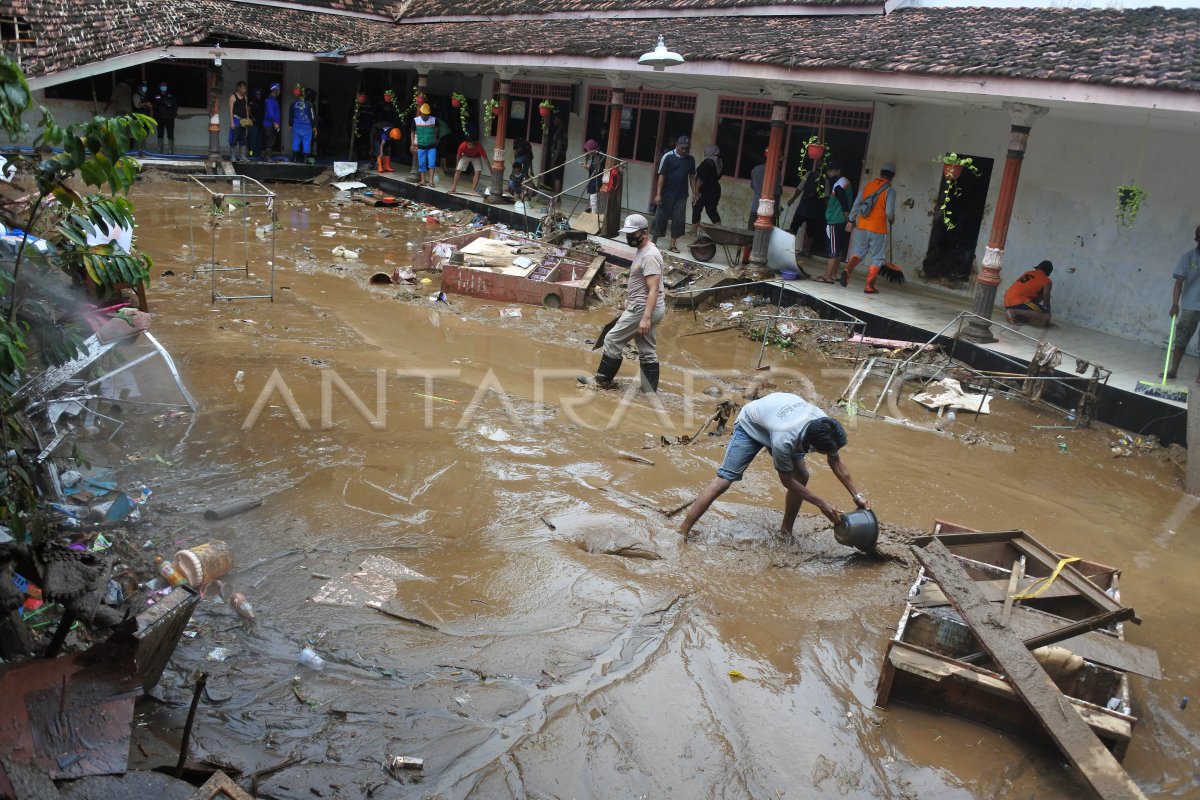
(510, 649)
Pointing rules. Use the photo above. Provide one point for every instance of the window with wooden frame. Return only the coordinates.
(524, 99)
(651, 121)
(744, 131)
(15, 34)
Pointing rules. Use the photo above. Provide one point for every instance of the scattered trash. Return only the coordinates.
(1062, 445)
(510, 312)
(309, 658)
(547, 522)
(634, 458)
(204, 563)
(398, 763)
(736, 675)
(380, 279)
(726, 306)
(172, 575)
(373, 581)
(493, 433)
(239, 380)
(69, 478)
(952, 396)
(219, 654)
(232, 509)
(1183, 704)
(345, 253)
(239, 603)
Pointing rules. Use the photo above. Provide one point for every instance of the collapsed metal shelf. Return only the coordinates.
(247, 192)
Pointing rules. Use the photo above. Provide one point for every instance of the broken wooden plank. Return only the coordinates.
(1095, 646)
(1095, 764)
(635, 458)
(1013, 579)
(995, 591)
(1060, 634)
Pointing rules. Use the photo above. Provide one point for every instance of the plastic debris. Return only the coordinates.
(510, 312)
(219, 654)
(736, 675)
(309, 658)
(398, 763)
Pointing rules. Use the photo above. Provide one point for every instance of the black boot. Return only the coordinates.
(650, 377)
(605, 373)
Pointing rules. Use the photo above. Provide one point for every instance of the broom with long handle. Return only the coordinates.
(1177, 393)
(890, 272)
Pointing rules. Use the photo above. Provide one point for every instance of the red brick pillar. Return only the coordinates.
(612, 190)
(1023, 117)
(766, 203)
(501, 139)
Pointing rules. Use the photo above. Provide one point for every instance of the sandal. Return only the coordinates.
(823, 279)
(672, 249)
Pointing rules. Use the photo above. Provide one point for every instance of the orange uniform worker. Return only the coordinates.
(1028, 299)
(873, 212)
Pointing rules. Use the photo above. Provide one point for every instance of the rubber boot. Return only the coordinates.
(650, 377)
(850, 265)
(605, 373)
(746, 254)
(171, 147)
(379, 163)
(872, 274)
(387, 164)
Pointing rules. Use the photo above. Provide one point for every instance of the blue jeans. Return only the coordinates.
(739, 453)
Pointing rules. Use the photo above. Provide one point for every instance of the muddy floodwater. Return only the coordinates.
(512, 653)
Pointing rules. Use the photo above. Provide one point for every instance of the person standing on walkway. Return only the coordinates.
(644, 310)
(142, 103)
(837, 209)
(425, 139)
(272, 120)
(788, 427)
(708, 185)
(593, 165)
(873, 213)
(166, 109)
(302, 118)
(810, 215)
(1028, 299)
(1185, 304)
(239, 122)
(676, 173)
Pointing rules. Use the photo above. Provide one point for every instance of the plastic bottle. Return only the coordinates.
(205, 562)
(169, 573)
(1062, 447)
(309, 658)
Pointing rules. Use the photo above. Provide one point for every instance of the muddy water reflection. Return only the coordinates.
(554, 671)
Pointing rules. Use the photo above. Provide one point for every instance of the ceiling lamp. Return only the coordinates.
(660, 57)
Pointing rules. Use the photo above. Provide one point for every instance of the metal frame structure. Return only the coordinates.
(849, 320)
(1028, 381)
(552, 200)
(248, 191)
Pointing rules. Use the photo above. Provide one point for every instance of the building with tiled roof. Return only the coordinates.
(1115, 90)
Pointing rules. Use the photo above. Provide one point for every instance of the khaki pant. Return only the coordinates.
(627, 328)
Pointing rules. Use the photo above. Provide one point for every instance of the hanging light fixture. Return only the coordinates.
(660, 57)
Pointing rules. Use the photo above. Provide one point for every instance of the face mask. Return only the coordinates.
(142, 88)
(162, 87)
(634, 239)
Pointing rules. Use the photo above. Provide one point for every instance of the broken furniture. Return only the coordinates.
(496, 265)
(224, 196)
(937, 660)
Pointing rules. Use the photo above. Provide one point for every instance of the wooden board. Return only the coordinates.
(1095, 764)
(1095, 646)
(930, 595)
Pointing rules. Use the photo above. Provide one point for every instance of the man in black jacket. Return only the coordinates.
(166, 108)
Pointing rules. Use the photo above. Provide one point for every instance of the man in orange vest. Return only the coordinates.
(1028, 299)
(873, 213)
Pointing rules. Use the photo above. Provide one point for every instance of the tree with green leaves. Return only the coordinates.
(38, 313)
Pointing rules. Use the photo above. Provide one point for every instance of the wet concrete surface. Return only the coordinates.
(556, 670)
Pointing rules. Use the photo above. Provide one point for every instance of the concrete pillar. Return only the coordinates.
(1022, 117)
(214, 114)
(766, 203)
(612, 191)
(498, 145)
(422, 88)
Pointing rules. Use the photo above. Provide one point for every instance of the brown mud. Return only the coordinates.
(551, 668)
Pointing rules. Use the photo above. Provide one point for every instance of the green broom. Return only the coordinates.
(1160, 390)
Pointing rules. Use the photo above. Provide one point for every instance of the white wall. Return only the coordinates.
(1106, 277)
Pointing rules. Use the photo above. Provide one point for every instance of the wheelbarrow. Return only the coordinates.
(731, 240)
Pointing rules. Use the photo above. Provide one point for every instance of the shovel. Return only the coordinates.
(604, 332)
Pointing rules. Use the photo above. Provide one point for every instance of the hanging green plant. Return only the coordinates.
(819, 152)
(952, 168)
(546, 109)
(1129, 202)
(489, 111)
(459, 101)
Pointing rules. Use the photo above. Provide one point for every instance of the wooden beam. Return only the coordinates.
(1098, 768)
(1065, 632)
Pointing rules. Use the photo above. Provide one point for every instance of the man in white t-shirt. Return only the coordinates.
(644, 309)
(788, 426)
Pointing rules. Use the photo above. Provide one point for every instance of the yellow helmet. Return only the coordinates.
(425, 109)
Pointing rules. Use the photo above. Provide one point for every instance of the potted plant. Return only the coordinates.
(814, 145)
(489, 110)
(388, 95)
(459, 101)
(952, 168)
(361, 99)
(298, 90)
(1129, 202)
(545, 108)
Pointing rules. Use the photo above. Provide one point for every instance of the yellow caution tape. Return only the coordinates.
(1046, 581)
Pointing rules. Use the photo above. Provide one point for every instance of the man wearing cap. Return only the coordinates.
(789, 427)
(644, 309)
(272, 119)
(425, 139)
(676, 173)
(873, 213)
